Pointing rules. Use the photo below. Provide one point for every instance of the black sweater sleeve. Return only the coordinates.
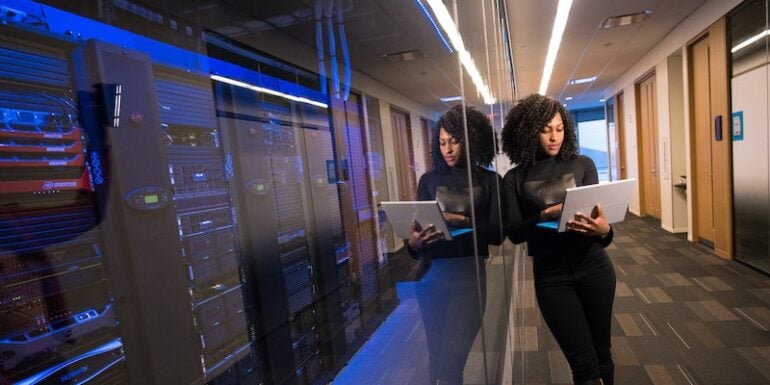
(491, 226)
(519, 227)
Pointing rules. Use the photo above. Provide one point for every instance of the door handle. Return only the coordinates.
(718, 128)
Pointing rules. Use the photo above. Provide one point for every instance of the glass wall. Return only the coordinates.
(193, 193)
(592, 139)
(749, 121)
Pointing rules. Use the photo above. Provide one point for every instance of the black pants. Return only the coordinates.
(448, 297)
(576, 303)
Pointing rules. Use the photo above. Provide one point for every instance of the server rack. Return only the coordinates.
(167, 231)
(57, 311)
(286, 212)
(205, 217)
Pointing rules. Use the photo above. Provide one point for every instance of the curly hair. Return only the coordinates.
(523, 125)
(481, 139)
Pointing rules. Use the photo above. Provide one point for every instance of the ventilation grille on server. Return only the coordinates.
(34, 65)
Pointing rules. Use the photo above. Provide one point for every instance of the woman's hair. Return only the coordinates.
(480, 142)
(524, 123)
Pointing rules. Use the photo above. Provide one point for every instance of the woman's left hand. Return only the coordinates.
(594, 225)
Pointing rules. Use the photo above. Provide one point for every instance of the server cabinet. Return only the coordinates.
(199, 175)
(57, 310)
(287, 218)
(167, 226)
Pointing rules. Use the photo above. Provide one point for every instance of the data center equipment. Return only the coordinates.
(161, 227)
(57, 309)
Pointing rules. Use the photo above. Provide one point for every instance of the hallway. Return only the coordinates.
(682, 316)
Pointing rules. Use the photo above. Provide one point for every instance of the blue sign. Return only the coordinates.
(737, 126)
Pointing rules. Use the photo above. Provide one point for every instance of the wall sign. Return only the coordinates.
(737, 126)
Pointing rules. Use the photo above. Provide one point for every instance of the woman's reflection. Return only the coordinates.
(449, 295)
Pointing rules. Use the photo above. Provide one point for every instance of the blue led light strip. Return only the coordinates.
(435, 26)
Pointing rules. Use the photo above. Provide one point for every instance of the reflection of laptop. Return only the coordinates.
(402, 215)
(613, 196)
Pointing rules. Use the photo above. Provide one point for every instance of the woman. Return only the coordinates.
(450, 298)
(574, 278)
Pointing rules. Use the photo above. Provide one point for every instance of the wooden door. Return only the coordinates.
(648, 154)
(402, 137)
(703, 183)
(711, 175)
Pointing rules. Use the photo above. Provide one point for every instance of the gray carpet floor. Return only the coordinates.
(682, 316)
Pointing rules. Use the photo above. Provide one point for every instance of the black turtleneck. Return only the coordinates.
(450, 188)
(529, 190)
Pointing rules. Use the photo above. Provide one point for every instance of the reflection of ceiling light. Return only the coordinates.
(268, 91)
(582, 80)
(619, 21)
(559, 24)
(446, 22)
(433, 24)
(398, 57)
(451, 99)
(568, 98)
(749, 41)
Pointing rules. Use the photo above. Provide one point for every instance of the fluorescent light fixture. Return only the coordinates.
(451, 99)
(446, 22)
(263, 90)
(582, 80)
(568, 98)
(433, 24)
(750, 41)
(559, 24)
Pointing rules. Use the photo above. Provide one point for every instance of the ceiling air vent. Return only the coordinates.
(619, 21)
(398, 57)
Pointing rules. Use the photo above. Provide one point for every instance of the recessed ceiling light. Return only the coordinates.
(602, 100)
(750, 41)
(559, 24)
(264, 90)
(451, 98)
(582, 80)
(453, 34)
(619, 21)
(568, 98)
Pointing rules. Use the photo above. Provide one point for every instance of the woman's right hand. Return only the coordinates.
(551, 212)
(419, 237)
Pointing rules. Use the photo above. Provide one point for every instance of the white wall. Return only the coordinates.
(629, 134)
(664, 146)
(676, 74)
